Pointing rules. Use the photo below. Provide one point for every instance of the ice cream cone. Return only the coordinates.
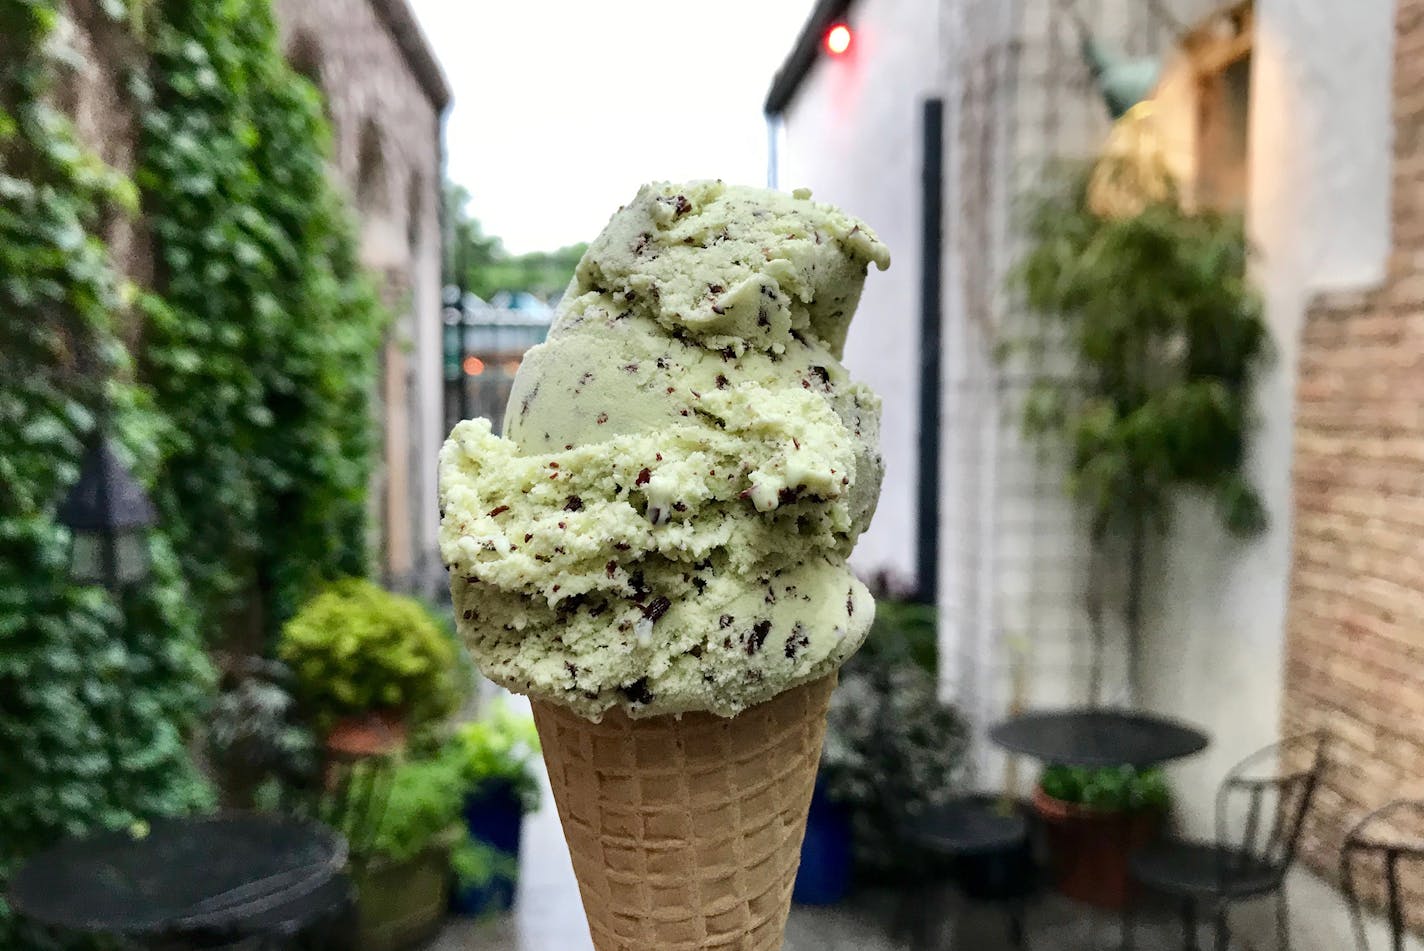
(685, 831)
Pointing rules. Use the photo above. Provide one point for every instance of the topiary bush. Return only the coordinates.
(356, 648)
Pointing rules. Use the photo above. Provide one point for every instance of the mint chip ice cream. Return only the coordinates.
(665, 522)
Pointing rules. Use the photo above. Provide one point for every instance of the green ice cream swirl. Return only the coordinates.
(665, 523)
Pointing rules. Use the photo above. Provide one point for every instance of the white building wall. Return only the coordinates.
(1319, 215)
(1018, 96)
(853, 136)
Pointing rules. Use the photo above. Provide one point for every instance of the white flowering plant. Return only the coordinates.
(892, 748)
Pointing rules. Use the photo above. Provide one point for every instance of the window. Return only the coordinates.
(372, 185)
(1223, 61)
(304, 56)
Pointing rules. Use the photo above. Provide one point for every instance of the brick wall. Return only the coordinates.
(1355, 628)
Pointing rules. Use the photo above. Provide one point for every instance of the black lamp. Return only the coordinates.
(109, 514)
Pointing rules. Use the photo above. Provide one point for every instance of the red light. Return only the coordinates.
(474, 366)
(838, 39)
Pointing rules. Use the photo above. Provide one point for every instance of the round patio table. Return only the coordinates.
(182, 879)
(1099, 736)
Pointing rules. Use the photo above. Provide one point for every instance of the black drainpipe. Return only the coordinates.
(931, 263)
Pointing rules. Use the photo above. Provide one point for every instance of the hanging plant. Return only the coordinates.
(1165, 338)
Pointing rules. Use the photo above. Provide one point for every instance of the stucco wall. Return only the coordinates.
(852, 135)
(1319, 212)
(1015, 564)
(1018, 96)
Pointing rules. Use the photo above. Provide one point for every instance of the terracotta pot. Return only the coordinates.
(1088, 849)
(375, 733)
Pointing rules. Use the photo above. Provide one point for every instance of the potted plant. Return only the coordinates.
(368, 665)
(257, 741)
(1093, 819)
(891, 750)
(401, 867)
(497, 757)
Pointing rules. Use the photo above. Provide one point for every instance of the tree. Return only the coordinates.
(470, 250)
(478, 262)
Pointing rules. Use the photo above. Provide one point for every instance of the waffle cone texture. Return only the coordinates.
(685, 832)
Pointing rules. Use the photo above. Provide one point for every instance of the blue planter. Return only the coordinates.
(494, 817)
(826, 853)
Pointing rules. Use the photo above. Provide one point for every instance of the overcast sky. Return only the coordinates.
(564, 107)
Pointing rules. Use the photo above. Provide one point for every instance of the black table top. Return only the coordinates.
(973, 825)
(1098, 737)
(183, 874)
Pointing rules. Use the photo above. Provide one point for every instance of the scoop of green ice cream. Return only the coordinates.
(665, 523)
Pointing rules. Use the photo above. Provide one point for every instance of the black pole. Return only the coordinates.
(931, 264)
(461, 375)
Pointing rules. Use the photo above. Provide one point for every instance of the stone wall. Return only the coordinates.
(1355, 627)
(385, 98)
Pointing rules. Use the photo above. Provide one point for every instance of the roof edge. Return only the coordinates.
(401, 21)
(798, 63)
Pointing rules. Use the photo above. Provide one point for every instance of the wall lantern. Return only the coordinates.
(109, 514)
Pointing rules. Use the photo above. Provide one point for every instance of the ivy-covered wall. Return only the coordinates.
(260, 347)
(239, 377)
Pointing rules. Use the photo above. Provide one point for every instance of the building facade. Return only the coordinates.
(1303, 116)
(386, 101)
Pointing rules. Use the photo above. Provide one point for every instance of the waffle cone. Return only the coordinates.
(685, 833)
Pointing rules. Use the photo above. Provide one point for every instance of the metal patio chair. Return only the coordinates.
(1378, 834)
(1258, 824)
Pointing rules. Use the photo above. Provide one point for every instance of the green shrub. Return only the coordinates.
(902, 632)
(1111, 789)
(356, 648)
(423, 808)
(477, 863)
(1147, 342)
(502, 747)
